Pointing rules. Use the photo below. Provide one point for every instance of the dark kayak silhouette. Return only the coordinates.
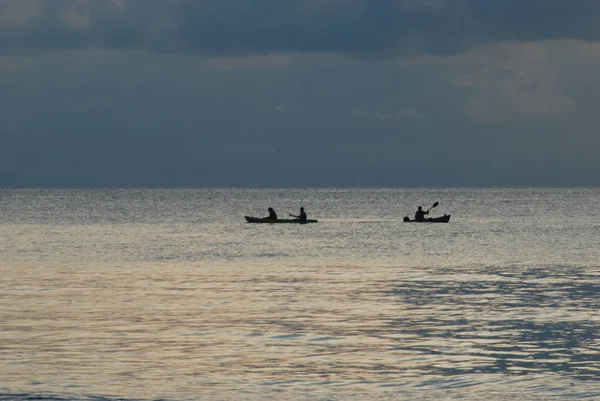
(420, 215)
(250, 219)
(442, 219)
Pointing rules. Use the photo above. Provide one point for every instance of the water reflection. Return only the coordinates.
(180, 329)
(513, 323)
(168, 294)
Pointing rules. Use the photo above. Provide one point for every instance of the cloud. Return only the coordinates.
(511, 79)
(13, 63)
(139, 119)
(404, 113)
(504, 92)
(362, 28)
(410, 112)
(273, 61)
(517, 80)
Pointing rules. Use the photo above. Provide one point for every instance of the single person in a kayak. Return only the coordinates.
(301, 216)
(420, 214)
(272, 215)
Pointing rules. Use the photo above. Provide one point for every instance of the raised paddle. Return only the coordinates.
(407, 219)
(434, 205)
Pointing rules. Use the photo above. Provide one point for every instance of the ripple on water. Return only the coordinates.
(153, 305)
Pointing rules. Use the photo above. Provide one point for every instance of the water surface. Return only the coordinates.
(169, 294)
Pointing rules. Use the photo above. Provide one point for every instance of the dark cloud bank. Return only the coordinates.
(232, 27)
(146, 120)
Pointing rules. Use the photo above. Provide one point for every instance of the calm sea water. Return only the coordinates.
(169, 294)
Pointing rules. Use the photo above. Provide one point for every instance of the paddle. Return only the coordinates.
(434, 205)
(407, 219)
(295, 216)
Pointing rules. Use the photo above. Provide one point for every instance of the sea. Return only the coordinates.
(168, 294)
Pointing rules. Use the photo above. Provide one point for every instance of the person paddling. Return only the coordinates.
(301, 216)
(420, 214)
(272, 215)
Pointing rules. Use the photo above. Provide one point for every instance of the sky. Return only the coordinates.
(299, 93)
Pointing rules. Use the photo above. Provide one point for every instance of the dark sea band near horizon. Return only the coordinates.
(147, 294)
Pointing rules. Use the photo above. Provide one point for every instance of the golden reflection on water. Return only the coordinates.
(184, 329)
(170, 294)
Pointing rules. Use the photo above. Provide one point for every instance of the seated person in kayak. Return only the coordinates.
(301, 216)
(272, 215)
(420, 214)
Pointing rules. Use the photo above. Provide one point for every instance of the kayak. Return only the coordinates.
(264, 220)
(442, 219)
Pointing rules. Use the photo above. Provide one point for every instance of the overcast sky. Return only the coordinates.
(288, 93)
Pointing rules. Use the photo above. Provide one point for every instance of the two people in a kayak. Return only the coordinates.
(419, 214)
(273, 216)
